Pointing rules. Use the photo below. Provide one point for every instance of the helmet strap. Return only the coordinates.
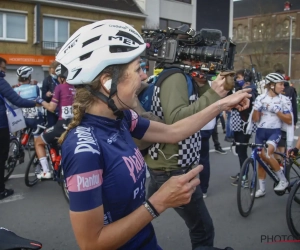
(108, 100)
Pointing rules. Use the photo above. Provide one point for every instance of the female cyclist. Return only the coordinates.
(104, 170)
(271, 110)
(62, 99)
(33, 116)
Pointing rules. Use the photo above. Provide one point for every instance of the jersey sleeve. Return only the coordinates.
(83, 169)
(137, 125)
(56, 94)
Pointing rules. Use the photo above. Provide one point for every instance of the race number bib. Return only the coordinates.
(66, 112)
(30, 112)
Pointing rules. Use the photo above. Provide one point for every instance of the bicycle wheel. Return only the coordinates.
(12, 159)
(292, 175)
(246, 187)
(31, 171)
(63, 184)
(293, 211)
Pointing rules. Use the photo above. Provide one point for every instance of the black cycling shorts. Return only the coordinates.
(282, 142)
(52, 134)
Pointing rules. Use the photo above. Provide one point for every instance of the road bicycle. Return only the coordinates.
(293, 209)
(33, 168)
(11, 241)
(20, 143)
(248, 176)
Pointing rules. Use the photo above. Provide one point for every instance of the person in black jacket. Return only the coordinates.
(6, 91)
(49, 84)
(238, 120)
(291, 93)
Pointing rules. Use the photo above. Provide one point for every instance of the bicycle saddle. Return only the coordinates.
(11, 241)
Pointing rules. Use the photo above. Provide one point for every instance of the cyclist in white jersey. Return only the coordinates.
(33, 116)
(271, 110)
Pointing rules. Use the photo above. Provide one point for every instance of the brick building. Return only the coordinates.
(31, 31)
(262, 29)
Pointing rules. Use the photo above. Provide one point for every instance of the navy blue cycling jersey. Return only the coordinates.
(103, 166)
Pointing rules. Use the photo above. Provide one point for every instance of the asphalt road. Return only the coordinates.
(41, 213)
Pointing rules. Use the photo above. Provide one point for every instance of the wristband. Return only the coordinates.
(151, 209)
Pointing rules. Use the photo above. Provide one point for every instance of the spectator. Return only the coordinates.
(6, 91)
(49, 84)
(215, 139)
(239, 120)
(206, 132)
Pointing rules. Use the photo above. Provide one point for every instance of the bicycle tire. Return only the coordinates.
(247, 163)
(12, 160)
(31, 164)
(64, 185)
(287, 175)
(289, 220)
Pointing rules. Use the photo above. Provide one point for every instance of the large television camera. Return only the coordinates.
(173, 46)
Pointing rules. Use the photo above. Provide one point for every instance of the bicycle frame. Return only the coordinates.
(56, 173)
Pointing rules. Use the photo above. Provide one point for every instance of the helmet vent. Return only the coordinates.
(85, 56)
(91, 41)
(119, 49)
(97, 26)
(76, 74)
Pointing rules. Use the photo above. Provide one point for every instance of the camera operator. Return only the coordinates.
(239, 120)
(176, 106)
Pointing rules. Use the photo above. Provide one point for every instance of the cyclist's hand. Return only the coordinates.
(39, 100)
(177, 191)
(49, 94)
(293, 152)
(274, 108)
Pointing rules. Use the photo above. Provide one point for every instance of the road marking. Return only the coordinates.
(12, 198)
(19, 176)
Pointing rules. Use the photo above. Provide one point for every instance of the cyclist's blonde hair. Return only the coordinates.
(84, 99)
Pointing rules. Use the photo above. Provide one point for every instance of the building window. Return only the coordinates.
(184, 1)
(165, 23)
(55, 32)
(13, 26)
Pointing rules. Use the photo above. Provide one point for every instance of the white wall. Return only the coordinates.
(153, 13)
(142, 4)
(177, 11)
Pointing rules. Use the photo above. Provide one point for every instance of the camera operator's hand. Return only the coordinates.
(218, 85)
(177, 191)
(239, 100)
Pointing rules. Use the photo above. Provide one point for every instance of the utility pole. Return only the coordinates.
(291, 39)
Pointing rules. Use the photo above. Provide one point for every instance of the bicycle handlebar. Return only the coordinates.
(251, 145)
(39, 127)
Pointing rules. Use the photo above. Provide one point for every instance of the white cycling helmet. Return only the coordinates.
(95, 46)
(274, 78)
(58, 70)
(24, 71)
